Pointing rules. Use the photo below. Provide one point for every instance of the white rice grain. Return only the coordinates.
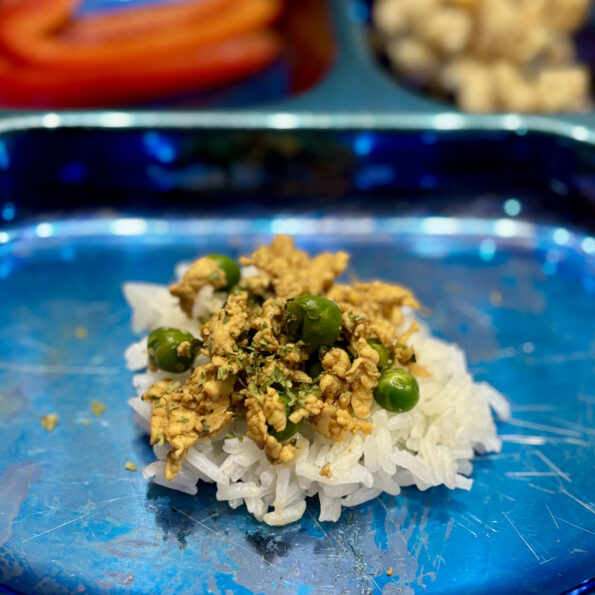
(431, 445)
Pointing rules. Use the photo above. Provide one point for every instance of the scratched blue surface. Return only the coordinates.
(72, 519)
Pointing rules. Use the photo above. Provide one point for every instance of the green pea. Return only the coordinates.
(397, 391)
(163, 349)
(290, 427)
(229, 267)
(313, 319)
(313, 366)
(384, 354)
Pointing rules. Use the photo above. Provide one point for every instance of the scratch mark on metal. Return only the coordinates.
(521, 423)
(531, 408)
(561, 358)
(14, 487)
(503, 495)
(34, 344)
(586, 505)
(222, 536)
(553, 517)
(58, 369)
(522, 474)
(523, 439)
(586, 398)
(101, 504)
(575, 526)
(521, 536)
(78, 518)
(541, 440)
(578, 427)
(541, 489)
(498, 457)
(552, 466)
(449, 527)
(466, 528)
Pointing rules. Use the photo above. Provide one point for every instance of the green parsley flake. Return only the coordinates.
(183, 420)
(172, 387)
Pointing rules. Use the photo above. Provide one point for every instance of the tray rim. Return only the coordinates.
(376, 103)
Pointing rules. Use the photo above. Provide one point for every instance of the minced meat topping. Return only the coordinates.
(288, 347)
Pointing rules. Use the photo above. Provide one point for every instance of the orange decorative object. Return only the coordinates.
(210, 65)
(49, 59)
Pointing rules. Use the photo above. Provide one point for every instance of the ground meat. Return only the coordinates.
(326, 471)
(376, 299)
(201, 272)
(333, 422)
(183, 415)
(254, 370)
(291, 271)
(274, 410)
(363, 377)
(224, 328)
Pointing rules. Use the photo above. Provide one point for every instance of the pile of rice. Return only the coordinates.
(431, 445)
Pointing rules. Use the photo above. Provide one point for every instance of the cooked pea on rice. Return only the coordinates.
(276, 383)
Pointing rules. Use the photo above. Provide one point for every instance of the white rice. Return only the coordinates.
(429, 446)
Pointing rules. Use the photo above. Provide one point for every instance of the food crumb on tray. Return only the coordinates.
(98, 408)
(50, 421)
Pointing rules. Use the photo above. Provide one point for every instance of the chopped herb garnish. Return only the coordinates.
(225, 318)
(356, 317)
(206, 425)
(277, 375)
(230, 434)
(222, 373)
(172, 387)
(183, 420)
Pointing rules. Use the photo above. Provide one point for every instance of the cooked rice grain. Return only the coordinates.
(429, 446)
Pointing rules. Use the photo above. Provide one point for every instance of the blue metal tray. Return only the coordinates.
(489, 218)
(518, 296)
